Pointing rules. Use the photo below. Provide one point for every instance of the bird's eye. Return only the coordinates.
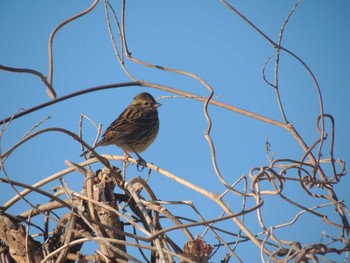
(147, 103)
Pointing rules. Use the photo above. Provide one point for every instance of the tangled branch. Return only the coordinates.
(122, 215)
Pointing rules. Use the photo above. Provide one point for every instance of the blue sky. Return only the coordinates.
(204, 38)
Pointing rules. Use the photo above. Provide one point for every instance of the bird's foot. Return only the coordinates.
(141, 164)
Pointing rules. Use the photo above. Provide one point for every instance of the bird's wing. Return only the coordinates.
(122, 126)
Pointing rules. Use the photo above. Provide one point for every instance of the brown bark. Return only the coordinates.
(22, 247)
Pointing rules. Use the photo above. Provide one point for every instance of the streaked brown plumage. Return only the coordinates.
(136, 127)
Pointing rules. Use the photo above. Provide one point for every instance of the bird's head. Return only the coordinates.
(146, 101)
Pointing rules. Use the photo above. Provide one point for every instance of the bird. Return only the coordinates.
(136, 127)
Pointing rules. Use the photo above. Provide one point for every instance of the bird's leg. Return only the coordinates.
(125, 163)
(126, 156)
(140, 161)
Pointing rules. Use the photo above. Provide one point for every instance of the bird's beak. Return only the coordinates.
(156, 105)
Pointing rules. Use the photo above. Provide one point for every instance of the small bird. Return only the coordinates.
(136, 127)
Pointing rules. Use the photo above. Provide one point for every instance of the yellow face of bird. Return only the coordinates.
(145, 100)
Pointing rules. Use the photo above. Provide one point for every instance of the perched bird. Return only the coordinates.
(136, 127)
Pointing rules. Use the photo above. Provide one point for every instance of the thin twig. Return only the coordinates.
(49, 89)
(53, 33)
(69, 96)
